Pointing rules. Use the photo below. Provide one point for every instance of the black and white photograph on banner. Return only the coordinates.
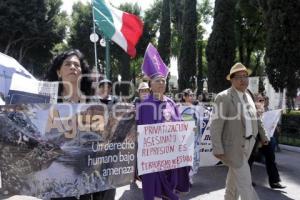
(65, 150)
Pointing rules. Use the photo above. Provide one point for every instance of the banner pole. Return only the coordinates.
(95, 44)
(107, 58)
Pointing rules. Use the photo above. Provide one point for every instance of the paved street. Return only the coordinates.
(209, 182)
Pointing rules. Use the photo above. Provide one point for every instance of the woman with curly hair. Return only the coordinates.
(72, 71)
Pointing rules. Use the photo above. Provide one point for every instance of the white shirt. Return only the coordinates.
(248, 122)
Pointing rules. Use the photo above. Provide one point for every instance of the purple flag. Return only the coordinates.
(153, 65)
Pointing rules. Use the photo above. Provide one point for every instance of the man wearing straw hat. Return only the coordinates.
(234, 129)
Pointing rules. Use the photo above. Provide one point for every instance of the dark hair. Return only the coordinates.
(186, 92)
(86, 82)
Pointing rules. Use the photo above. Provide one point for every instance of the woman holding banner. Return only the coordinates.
(158, 108)
(189, 112)
(73, 72)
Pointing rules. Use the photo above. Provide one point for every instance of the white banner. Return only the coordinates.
(27, 90)
(270, 120)
(253, 84)
(202, 146)
(8, 67)
(165, 146)
(206, 156)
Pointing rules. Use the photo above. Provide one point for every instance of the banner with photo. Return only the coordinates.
(65, 150)
(202, 145)
(165, 146)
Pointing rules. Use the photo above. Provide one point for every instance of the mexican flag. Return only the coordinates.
(123, 28)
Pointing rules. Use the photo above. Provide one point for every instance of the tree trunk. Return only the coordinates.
(200, 68)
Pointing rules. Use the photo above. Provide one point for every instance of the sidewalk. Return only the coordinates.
(210, 181)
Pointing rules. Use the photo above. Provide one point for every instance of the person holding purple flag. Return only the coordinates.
(158, 108)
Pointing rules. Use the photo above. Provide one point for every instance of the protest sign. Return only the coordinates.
(24, 91)
(270, 120)
(206, 155)
(165, 146)
(202, 146)
(65, 150)
(8, 67)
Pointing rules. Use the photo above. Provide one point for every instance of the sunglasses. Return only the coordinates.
(261, 100)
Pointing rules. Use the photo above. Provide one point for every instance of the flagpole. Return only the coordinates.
(107, 58)
(95, 44)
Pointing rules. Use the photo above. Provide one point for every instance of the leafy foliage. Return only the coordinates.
(220, 49)
(282, 45)
(29, 31)
(81, 28)
(187, 57)
(250, 34)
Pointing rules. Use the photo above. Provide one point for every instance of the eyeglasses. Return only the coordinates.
(144, 90)
(241, 77)
(261, 100)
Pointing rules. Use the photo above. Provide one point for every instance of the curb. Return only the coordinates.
(290, 148)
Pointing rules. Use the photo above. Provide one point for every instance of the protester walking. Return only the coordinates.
(267, 151)
(72, 71)
(234, 128)
(158, 108)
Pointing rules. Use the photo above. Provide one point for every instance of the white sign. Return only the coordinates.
(270, 120)
(8, 67)
(253, 84)
(165, 146)
(206, 155)
(32, 86)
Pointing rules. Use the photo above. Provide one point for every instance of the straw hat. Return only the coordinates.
(237, 67)
(143, 85)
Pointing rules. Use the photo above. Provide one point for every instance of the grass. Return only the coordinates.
(289, 141)
(293, 112)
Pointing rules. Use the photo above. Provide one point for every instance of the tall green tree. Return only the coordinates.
(165, 33)
(199, 67)
(204, 11)
(187, 56)
(152, 20)
(30, 30)
(120, 62)
(220, 50)
(80, 30)
(164, 40)
(250, 33)
(176, 31)
(283, 44)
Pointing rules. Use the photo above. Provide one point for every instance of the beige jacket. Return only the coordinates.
(228, 128)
